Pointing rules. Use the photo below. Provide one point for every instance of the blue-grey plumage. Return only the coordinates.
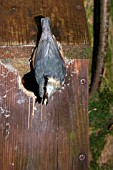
(49, 65)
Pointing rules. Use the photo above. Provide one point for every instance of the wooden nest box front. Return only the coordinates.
(52, 137)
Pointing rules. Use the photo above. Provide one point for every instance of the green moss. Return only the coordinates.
(100, 116)
(111, 9)
(101, 104)
(87, 52)
(72, 136)
(109, 166)
(89, 16)
(108, 80)
(97, 143)
(100, 109)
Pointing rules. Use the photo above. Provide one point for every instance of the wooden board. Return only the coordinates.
(52, 137)
(60, 140)
(18, 27)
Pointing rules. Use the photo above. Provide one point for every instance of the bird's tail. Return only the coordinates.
(45, 22)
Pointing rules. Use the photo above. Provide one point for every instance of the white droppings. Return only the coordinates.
(7, 116)
(12, 163)
(68, 84)
(12, 80)
(2, 110)
(7, 131)
(69, 61)
(45, 101)
(49, 114)
(74, 72)
(5, 96)
(52, 98)
(4, 75)
(7, 135)
(10, 89)
(35, 108)
(62, 87)
(60, 91)
(21, 101)
(8, 124)
(7, 111)
(9, 67)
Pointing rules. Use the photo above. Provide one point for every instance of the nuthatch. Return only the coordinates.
(49, 65)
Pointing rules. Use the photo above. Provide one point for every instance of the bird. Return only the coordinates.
(48, 63)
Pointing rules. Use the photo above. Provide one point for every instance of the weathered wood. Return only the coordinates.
(70, 51)
(17, 25)
(52, 137)
(60, 140)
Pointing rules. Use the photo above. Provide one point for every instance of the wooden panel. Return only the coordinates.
(70, 51)
(17, 24)
(60, 140)
(52, 137)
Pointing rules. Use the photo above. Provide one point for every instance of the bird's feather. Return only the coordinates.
(48, 61)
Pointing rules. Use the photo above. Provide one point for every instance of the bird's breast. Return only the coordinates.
(52, 85)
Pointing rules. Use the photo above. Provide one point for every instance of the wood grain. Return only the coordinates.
(25, 51)
(56, 142)
(18, 27)
(35, 137)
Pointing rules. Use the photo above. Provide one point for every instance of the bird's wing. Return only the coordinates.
(48, 62)
(59, 46)
(48, 59)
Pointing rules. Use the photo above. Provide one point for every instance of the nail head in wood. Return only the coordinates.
(83, 81)
(82, 157)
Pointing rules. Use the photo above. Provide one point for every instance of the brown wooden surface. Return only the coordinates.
(19, 52)
(17, 25)
(60, 140)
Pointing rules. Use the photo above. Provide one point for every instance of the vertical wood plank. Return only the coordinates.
(25, 148)
(60, 141)
(73, 118)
